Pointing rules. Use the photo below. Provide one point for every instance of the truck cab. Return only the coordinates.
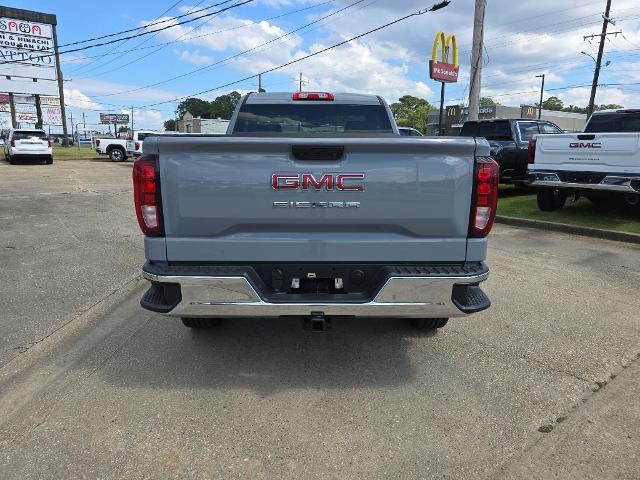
(509, 141)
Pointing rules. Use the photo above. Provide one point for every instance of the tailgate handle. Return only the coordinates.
(586, 137)
(317, 152)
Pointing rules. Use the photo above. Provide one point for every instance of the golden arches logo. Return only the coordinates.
(445, 43)
(442, 70)
(451, 112)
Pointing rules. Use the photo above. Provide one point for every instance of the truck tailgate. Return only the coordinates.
(218, 199)
(610, 152)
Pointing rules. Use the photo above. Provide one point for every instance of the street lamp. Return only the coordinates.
(606, 64)
(590, 56)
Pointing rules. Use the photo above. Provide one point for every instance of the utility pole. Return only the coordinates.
(441, 116)
(300, 85)
(84, 125)
(132, 121)
(260, 89)
(541, 92)
(596, 74)
(476, 60)
(40, 123)
(65, 140)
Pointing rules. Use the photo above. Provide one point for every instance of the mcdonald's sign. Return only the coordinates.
(528, 111)
(441, 70)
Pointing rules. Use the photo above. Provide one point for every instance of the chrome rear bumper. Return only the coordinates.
(610, 183)
(234, 296)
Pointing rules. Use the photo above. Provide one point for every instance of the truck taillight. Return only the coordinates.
(483, 210)
(49, 143)
(97, 142)
(318, 96)
(137, 145)
(13, 143)
(146, 192)
(531, 151)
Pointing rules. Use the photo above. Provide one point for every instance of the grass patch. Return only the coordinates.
(74, 152)
(521, 203)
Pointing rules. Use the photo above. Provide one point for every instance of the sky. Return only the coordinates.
(522, 40)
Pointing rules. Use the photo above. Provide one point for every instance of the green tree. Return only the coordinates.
(170, 125)
(224, 105)
(410, 111)
(575, 109)
(221, 107)
(196, 106)
(607, 106)
(552, 103)
(487, 102)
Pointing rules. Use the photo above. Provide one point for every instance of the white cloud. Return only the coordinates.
(357, 67)
(99, 88)
(194, 57)
(75, 98)
(522, 40)
(606, 95)
(147, 119)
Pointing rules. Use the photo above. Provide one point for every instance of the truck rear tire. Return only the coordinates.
(428, 323)
(117, 154)
(11, 160)
(200, 323)
(49, 160)
(551, 199)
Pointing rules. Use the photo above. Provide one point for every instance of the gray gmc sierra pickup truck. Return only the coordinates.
(312, 205)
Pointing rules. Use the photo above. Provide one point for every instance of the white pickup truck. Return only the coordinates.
(116, 148)
(602, 161)
(134, 144)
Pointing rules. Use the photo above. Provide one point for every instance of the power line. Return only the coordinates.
(138, 45)
(305, 57)
(116, 48)
(148, 32)
(237, 55)
(238, 27)
(148, 25)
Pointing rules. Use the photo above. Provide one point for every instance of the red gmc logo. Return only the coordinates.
(327, 181)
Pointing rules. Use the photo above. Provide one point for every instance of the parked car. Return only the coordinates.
(28, 144)
(116, 148)
(409, 132)
(312, 207)
(509, 141)
(602, 161)
(134, 144)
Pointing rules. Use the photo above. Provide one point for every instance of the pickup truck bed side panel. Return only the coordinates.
(218, 200)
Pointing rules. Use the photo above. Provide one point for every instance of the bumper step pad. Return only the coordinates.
(470, 298)
(161, 298)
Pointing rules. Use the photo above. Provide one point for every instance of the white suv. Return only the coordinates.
(28, 144)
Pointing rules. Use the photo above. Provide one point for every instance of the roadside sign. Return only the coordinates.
(120, 118)
(441, 70)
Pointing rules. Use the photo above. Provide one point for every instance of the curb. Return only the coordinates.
(573, 229)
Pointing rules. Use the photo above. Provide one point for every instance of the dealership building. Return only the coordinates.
(456, 115)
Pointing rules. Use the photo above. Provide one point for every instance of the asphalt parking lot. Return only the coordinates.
(543, 385)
